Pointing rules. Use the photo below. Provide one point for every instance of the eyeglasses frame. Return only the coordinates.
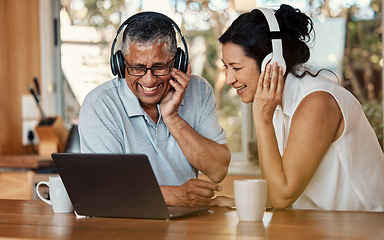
(150, 68)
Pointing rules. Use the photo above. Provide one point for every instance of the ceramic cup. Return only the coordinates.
(250, 199)
(59, 199)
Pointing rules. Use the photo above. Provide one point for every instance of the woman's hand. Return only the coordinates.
(269, 93)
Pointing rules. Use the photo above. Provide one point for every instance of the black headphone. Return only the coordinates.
(117, 59)
(277, 47)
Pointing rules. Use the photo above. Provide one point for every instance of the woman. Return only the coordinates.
(316, 148)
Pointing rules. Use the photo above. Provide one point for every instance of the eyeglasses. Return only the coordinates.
(156, 71)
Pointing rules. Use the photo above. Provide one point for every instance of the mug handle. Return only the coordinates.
(41, 196)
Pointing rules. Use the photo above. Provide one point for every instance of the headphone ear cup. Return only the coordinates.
(180, 60)
(113, 64)
(273, 58)
(265, 62)
(119, 64)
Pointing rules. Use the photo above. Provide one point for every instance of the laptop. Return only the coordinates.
(115, 185)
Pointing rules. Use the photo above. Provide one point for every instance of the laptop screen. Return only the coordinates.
(111, 185)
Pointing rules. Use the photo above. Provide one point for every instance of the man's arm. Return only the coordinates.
(204, 154)
(207, 156)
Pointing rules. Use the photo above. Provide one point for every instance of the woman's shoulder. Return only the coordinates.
(312, 88)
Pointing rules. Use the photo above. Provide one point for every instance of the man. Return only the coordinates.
(159, 111)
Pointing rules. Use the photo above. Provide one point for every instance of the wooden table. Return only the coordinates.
(25, 161)
(33, 219)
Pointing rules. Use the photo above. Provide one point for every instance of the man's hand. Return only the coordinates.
(195, 192)
(169, 105)
(222, 201)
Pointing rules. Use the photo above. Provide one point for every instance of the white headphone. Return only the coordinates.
(277, 47)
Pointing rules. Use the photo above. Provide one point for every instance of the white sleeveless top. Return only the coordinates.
(351, 174)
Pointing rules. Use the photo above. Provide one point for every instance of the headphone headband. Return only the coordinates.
(271, 19)
(277, 45)
(150, 14)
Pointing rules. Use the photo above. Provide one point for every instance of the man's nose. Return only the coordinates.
(149, 78)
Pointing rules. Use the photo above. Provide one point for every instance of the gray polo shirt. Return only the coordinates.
(112, 121)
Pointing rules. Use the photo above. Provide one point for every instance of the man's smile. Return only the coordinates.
(150, 90)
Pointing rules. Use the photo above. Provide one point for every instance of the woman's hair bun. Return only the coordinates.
(293, 22)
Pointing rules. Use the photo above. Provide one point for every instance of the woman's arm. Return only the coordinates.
(313, 129)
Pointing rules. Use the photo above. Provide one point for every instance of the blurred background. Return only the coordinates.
(66, 46)
(348, 42)
(61, 50)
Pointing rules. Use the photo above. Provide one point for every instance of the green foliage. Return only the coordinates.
(374, 113)
(365, 41)
(209, 71)
(366, 56)
(230, 116)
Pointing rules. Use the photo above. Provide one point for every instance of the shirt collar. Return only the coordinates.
(129, 100)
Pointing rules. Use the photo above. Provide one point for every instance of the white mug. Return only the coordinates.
(250, 199)
(59, 199)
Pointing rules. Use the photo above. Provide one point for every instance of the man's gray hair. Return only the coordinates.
(149, 30)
